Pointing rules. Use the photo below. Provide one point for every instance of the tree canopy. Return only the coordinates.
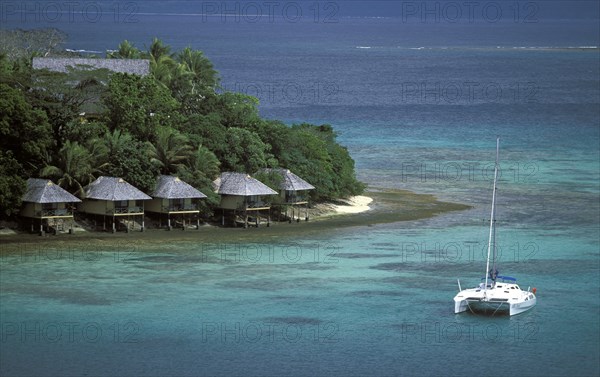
(173, 121)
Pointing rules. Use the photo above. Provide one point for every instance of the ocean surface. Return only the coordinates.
(418, 101)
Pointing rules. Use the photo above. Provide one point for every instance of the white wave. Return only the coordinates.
(547, 47)
(84, 51)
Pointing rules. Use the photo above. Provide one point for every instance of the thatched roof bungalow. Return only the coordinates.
(293, 191)
(48, 202)
(114, 197)
(241, 192)
(172, 196)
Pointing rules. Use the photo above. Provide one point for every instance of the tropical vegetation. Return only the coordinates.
(73, 127)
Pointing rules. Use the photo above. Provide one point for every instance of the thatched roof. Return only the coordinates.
(46, 191)
(133, 66)
(113, 189)
(240, 184)
(291, 181)
(170, 187)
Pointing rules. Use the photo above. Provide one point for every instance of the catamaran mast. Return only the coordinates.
(492, 238)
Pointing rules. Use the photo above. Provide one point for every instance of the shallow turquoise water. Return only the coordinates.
(368, 300)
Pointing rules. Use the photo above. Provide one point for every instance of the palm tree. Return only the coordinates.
(162, 69)
(126, 51)
(98, 155)
(158, 49)
(75, 165)
(201, 169)
(180, 80)
(116, 141)
(200, 67)
(204, 161)
(162, 64)
(170, 151)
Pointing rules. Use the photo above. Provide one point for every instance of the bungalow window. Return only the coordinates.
(290, 196)
(253, 201)
(176, 204)
(121, 204)
(139, 204)
(49, 209)
(49, 206)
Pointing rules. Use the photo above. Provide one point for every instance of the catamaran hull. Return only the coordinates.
(460, 306)
(493, 307)
(521, 307)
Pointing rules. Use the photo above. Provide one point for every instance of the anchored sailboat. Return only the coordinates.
(497, 293)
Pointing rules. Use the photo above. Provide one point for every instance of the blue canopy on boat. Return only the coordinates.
(505, 278)
(508, 278)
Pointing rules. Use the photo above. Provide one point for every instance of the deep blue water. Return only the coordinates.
(418, 104)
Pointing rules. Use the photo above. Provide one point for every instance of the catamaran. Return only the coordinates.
(495, 293)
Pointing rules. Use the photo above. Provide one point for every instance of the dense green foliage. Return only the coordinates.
(12, 184)
(138, 105)
(174, 121)
(24, 130)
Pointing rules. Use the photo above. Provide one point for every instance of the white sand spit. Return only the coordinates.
(355, 204)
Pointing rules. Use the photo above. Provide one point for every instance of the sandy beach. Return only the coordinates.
(352, 205)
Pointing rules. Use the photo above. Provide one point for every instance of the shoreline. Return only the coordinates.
(352, 205)
(375, 207)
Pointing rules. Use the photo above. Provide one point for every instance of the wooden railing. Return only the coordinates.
(295, 198)
(253, 204)
(134, 209)
(54, 212)
(180, 207)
